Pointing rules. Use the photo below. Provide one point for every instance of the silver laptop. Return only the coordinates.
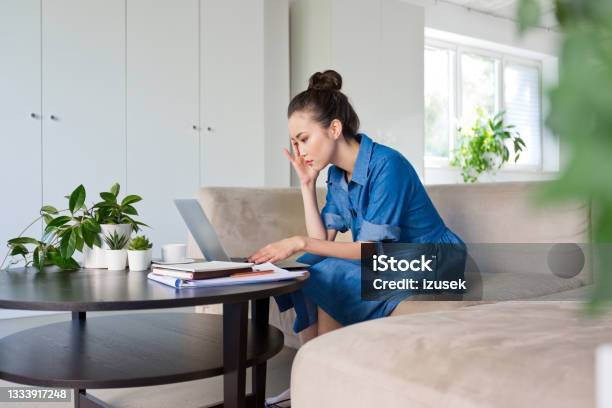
(206, 237)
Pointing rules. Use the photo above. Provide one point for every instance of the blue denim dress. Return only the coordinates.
(384, 202)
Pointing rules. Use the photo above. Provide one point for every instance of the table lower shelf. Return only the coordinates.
(131, 350)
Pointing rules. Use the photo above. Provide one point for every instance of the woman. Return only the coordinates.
(371, 190)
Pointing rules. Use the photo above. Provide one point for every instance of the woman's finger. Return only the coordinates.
(255, 256)
(263, 259)
(294, 149)
(297, 149)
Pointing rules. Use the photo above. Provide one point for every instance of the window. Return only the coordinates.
(459, 79)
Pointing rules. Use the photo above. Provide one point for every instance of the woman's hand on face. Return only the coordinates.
(307, 174)
(279, 250)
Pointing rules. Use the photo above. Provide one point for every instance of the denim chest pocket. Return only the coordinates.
(341, 200)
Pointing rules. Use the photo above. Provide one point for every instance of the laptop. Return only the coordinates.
(206, 237)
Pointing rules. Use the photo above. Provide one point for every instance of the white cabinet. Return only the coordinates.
(83, 91)
(20, 118)
(232, 92)
(116, 88)
(162, 111)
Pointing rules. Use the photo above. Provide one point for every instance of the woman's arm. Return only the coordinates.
(308, 181)
(347, 250)
(314, 224)
(283, 249)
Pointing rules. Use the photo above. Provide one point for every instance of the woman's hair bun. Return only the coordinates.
(328, 80)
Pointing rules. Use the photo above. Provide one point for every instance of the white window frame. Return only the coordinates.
(456, 98)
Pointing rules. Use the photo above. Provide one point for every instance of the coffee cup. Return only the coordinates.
(174, 252)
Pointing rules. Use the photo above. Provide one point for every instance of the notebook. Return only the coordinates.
(202, 270)
(278, 274)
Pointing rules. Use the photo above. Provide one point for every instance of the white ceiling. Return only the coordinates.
(507, 8)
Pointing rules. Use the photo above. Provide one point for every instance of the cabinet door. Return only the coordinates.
(83, 59)
(232, 92)
(20, 124)
(162, 110)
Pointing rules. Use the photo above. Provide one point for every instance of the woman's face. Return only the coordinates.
(313, 142)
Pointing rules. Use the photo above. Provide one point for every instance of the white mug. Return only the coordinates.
(174, 252)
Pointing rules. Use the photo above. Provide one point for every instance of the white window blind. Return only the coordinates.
(522, 103)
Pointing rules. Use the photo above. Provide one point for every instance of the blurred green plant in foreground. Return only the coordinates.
(581, 115)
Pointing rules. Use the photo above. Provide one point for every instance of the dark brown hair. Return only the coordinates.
(326, 103)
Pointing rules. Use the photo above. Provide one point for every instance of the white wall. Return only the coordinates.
(377, 47)
(457, 19)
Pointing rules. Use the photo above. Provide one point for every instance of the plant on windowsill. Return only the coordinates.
(483, 148)
(139, 253)
(65, 232)
(116, 254)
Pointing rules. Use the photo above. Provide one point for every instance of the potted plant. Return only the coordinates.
(65, 232)
(139, 253)
(114, 216)
(483, 148)
(116, 254)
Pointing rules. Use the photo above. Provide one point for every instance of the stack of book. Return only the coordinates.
(217, 273)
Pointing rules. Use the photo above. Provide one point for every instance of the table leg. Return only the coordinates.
(84, 400)
(81, 398)
(235, 318)
(260, 310)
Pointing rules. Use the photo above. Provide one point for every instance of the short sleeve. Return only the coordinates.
(390, 189)
(330, 214)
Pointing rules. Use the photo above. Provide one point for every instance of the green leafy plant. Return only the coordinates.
(116, 241)
(484, 147)
(580, 114)
(69, 230)
(65, 232)
(139, 243)
(111, 211)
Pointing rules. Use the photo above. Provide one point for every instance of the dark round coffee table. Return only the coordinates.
(134, 350)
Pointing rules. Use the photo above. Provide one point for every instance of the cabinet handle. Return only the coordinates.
(195, 127)
(209, 129)
(53, 117)
(34, 116)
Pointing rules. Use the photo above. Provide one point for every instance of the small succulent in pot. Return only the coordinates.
(139, 253)
(140, 243)
(116, 241)
(116, 255)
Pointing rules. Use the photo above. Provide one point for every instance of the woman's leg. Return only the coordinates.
(325, 323)
(308, 333)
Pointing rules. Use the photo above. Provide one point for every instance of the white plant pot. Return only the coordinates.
(116, 259)
(109, 229)
(94, 258)
(139, 260)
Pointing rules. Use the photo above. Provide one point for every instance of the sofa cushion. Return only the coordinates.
(507, 213)
(521, 286)
(506, 354)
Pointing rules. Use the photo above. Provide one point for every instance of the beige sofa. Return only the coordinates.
(511, 353)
